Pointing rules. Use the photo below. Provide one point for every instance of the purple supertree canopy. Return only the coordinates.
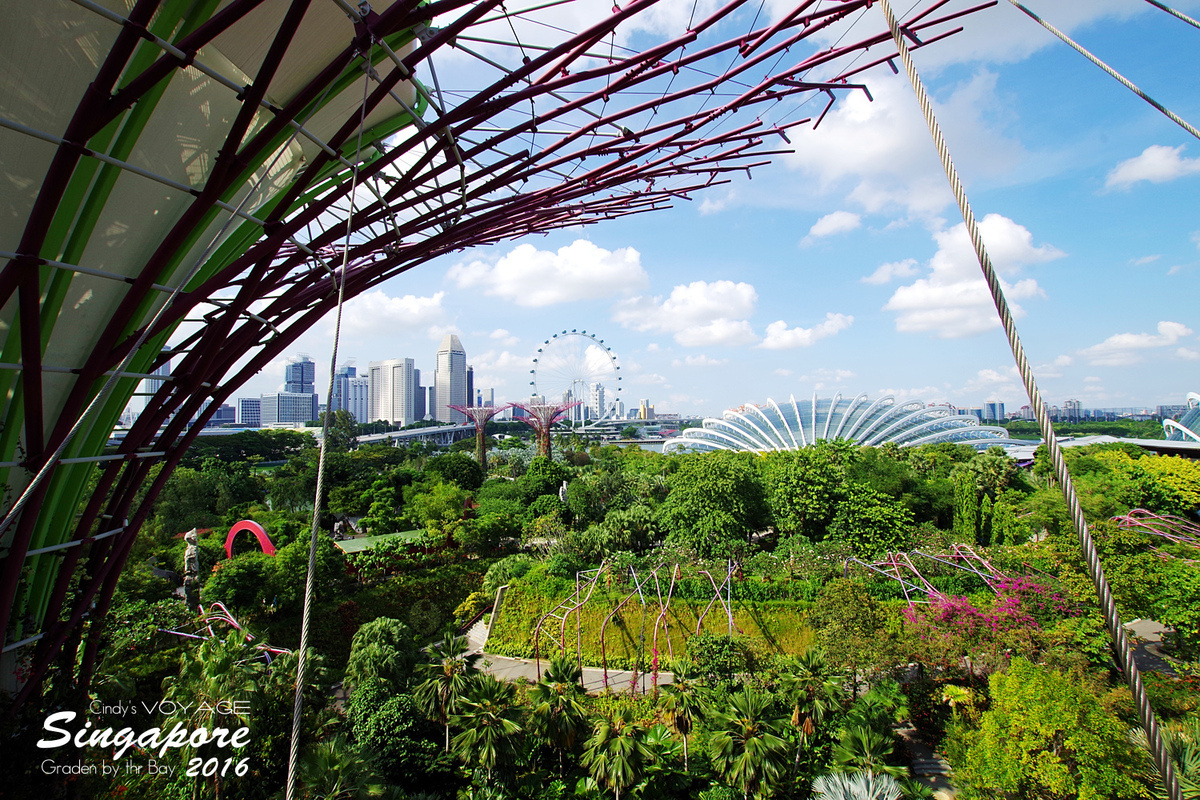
(191, 186)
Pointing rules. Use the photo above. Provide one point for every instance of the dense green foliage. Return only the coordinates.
(790, 680)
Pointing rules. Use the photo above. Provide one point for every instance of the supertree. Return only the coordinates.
(197, 184)
(541, 417)
(480, 415)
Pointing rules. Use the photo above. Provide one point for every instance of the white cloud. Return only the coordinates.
(372, 311)
(1122, 349)
(953, 301)
(781, 372)
(1092, 379)
(699, 361)
(880, 154)
(533, 278)
(781, 337)
(504, 337)
(1188, 354)
(893, 269)
(832, 224)
(1157, 164)
(1005, 381)
(924, 394)
(698, 314)
(1144, 260)
(653, 347)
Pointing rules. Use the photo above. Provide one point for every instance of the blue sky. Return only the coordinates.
(844, 266)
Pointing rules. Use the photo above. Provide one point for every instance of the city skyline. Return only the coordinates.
(843, 266)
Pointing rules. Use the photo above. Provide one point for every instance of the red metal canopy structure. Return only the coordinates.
(189, 181)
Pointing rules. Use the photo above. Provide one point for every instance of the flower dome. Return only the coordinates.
(792, 425)
(1188, 426)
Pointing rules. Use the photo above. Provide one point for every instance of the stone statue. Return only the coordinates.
(191, 568)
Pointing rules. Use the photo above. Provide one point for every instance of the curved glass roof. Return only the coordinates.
(794, 424)
(1188, 426)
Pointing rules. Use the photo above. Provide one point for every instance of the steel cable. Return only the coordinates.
(1171, 115)
(310, 578)
(1111, 617)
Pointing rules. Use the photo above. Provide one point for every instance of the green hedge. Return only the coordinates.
(776, 626)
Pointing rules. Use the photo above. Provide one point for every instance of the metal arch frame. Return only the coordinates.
(266, 263)
(1170, 426)
(608, 351)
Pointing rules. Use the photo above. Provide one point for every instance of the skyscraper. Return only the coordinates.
(450, 380)
(393, 392)
(359, 403)
(420, 397)
(341, 388)
(470, 386)
(300, 375)
(596, 404)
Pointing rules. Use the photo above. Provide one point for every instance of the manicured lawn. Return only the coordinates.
(355, 545)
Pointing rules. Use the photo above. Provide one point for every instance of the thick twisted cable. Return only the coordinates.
(310, 578)
(1174, 13)
(1128, 84)
(1095, 569)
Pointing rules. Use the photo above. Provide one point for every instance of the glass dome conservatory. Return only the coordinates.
(1188, 426)
(794, 424)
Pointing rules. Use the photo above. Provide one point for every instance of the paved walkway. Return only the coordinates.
(511, 669)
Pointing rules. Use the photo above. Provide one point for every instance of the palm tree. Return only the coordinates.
(489, 721)
(956, 696)
(856, 786)
(864, 748)
(336, 770)
(216, 671)
(682, 701)
(814, 690)
(1182, 740)
(616, 753)
(556, 707)
(447, 675)
(745, 747)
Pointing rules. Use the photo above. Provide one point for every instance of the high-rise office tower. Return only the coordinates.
(341, 387)
(300, 375)
(470, 385)
(450, 380)
(420, 397)
(250, 412)
(392, 390)
(359, 403)
(596, 401)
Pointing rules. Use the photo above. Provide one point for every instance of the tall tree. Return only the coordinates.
(716, 503)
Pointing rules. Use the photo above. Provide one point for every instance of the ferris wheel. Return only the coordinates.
(577, 365)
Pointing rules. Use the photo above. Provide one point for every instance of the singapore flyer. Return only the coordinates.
(577, 365)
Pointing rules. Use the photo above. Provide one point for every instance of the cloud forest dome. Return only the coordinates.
(795, 424)
(180, 188)
(1188, 426)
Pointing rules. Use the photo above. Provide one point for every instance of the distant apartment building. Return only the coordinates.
(393, 391)
(993, 410)
(1072, 411)
(645, 410)
(250, 412)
